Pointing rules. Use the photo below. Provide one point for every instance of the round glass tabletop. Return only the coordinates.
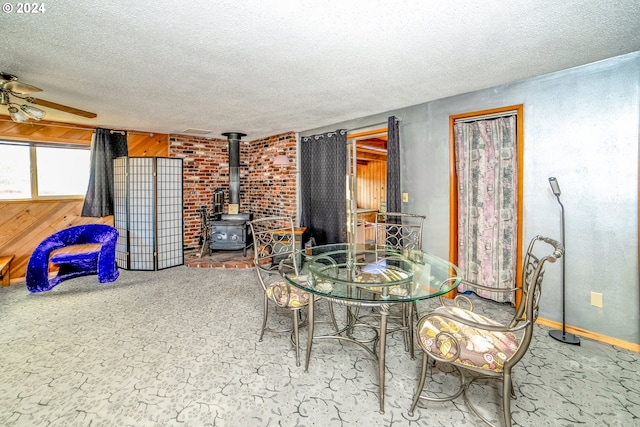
(366, 273)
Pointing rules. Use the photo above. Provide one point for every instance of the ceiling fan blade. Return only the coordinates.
(19, 87)
(61, 107)
(11, 83)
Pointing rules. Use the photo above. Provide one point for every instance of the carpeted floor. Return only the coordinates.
(180, 347)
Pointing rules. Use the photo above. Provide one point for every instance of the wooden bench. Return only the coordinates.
(5, 269)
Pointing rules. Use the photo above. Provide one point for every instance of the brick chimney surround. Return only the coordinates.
(265, 189)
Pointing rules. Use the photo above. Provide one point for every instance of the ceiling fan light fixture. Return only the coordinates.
(33, 112)
(17, 115)
(11, 86)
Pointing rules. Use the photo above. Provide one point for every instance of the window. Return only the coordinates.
(15, 180)
(40, 171)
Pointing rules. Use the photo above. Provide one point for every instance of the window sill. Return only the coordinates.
(45, 199)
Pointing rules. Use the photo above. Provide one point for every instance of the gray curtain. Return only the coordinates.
(105, 146)
(394, 197)
(323, 162)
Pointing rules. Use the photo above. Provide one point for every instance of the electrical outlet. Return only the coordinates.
(596, 299)
(405, 197)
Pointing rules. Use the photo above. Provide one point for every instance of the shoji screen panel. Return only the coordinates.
(141, 217)
(169, 222)
(148, 212)
(120, 215)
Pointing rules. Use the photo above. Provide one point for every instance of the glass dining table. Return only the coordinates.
(360, 275)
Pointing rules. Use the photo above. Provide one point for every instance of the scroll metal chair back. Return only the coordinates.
(399, 230)
(469, 341)
(274, 250)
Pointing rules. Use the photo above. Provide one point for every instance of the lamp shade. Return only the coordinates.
(281, 160)
(17, 115)
(33, 112)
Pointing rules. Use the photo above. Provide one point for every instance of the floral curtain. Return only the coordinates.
(323, 162)
(486, 165)
(105, 146)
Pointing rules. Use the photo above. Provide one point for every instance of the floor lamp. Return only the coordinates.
(563, 335)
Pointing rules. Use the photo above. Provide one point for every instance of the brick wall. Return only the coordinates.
(272, 189)
(264, 189)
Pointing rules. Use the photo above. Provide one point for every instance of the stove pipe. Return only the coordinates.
(234, 169)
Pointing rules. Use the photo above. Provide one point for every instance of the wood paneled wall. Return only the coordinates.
(148, 144)
(371, 184)
(24, 224)
(44, 131)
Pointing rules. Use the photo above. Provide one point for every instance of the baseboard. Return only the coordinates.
(591, 335)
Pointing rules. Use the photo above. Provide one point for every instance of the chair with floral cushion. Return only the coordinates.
(479, 347)
(274, 250)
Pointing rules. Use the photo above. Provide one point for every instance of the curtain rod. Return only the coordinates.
(486, 117)
(372, 127)
(133, 132)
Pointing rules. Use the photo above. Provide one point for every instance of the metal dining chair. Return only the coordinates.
(274, 250)
(400, 231)
(473, 343)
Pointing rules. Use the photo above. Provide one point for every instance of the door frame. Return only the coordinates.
(352, 174)
(453, 183)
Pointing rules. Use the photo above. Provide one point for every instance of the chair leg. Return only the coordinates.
(507, 388)
(333, 316)
(407, 321)
(296, 336)
(423, 376)
(265, 315)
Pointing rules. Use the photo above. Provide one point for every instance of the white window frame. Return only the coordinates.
(33, 173)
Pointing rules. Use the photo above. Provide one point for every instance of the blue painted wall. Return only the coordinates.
(581, 125)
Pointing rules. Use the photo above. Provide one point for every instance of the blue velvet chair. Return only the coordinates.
(100, 261)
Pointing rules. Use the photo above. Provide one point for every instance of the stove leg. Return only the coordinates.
(205, 247)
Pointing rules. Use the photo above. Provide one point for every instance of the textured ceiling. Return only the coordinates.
(266, 67)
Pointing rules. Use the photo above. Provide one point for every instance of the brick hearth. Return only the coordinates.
(221, 259)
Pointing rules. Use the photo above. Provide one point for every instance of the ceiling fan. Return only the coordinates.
(11, 86)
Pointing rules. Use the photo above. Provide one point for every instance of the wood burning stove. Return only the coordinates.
(230, 231)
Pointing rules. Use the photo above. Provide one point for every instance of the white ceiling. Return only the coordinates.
(267, 67)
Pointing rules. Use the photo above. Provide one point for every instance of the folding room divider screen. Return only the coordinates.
(148, 212)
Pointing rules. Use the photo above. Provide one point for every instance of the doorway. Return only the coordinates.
(367, 182)
(486, 188)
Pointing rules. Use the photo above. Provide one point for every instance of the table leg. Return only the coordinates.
(384, 312)
(310, 320)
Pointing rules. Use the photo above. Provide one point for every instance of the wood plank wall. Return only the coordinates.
(24, 224)
(371, 184)
(371, 190)
(148, 144)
